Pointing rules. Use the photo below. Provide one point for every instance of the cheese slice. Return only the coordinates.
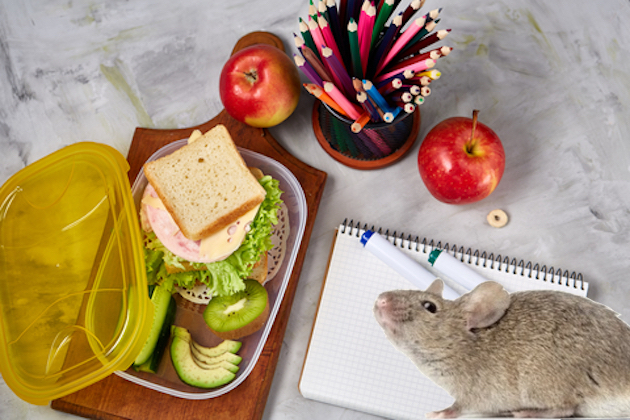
(215, 247)
(195, 135)
(154, 202)
(224, 242)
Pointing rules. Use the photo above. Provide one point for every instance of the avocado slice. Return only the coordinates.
(190, 371)
(224, 364)
(203, 356)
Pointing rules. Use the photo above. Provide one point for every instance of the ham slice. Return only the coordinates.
(170, 235)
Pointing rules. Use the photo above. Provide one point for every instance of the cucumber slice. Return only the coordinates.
(145, 367)
(165, 334)
(161, 299)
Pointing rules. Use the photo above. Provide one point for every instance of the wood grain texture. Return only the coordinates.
(115, 398)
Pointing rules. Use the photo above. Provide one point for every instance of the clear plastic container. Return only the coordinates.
(287, 238)
(73, 293)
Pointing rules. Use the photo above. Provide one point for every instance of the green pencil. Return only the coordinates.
(355, 52)
(384, 13)
(308, 38)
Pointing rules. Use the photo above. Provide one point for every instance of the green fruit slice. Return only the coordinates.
(207, 360)
(230, 313)
(229, 346)
(190, 371)
(220, 364)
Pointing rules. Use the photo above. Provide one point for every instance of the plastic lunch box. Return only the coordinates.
(74, 306)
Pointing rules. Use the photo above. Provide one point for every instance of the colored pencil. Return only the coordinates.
(306, 35)
(384, 13)
(411, 9)
(341, 12)
(335, 26)
(409, 108)
(352, 9)
(433, 54)
(386, 41)
(378, 113)
(432, 74)
(307, 69)
(373, 93)
(365, 35)
(401, 42)
(360, 122)
(298, 41)
(411, 47)
(425, 91)
(386, 78)
(362, 20)
(390, 86)
(344, 83)
(315, 62)
(401, 96)
(312, 11)
(362, 99)
(316, 33)
(350, 109)
(422, 80)
(426, 41)
(320, 94)
(415, 67)
(322, 10)
(329, 38)
(355, 53)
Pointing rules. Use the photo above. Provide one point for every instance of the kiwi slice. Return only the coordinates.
(243, 313)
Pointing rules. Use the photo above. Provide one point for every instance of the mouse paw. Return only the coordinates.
(448, 413)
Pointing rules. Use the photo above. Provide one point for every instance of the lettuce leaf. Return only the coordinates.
(225, 277)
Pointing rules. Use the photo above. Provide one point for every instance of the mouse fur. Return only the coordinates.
(526, 354)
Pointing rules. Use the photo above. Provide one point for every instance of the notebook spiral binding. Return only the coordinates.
(474, 257)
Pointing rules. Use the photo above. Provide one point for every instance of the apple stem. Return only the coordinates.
(471, 142)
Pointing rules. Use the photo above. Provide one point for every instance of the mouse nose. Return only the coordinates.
(382, 301)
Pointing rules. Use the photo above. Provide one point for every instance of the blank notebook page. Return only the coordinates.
(350, 362)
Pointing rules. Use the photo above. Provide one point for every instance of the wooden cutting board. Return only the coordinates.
(115, 398)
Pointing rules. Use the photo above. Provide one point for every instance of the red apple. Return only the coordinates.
(260, 86)
(461, 160)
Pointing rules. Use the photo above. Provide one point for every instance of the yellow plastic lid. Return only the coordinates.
(73, 291)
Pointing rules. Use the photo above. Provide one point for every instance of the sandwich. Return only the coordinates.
(207, 218)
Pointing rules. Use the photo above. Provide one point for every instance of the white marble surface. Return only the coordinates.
(551, 78)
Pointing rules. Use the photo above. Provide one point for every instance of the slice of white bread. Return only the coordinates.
(206, 184)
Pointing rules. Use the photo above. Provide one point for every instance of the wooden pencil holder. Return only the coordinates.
(376, 146)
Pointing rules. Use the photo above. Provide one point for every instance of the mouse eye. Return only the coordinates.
(429, 306)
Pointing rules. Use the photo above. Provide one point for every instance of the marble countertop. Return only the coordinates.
(551, 78)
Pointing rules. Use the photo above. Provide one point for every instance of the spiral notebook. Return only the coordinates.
(349, 361)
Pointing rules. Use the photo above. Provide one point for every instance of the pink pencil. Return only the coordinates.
(366, 21)
(415, 67)
(351, 109)
(329, 38)
(401, 42)
(316, 33)
(361, 20)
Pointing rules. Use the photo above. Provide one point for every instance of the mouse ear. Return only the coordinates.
(485, 305)
(437, 287)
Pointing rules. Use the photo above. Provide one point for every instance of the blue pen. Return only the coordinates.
(402, 263)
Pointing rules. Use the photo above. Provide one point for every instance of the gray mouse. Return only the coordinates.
(526, 354)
